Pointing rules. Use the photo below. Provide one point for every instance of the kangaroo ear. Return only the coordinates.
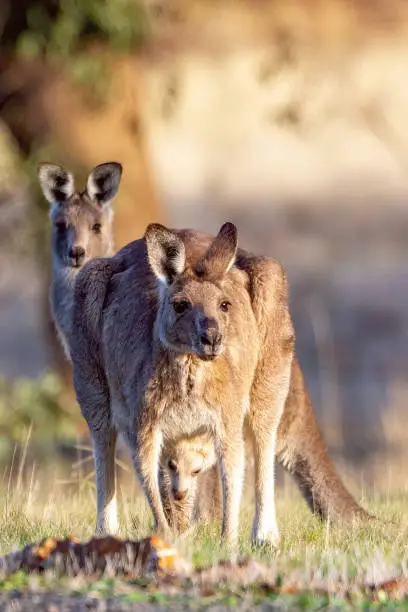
(56, 183)
(221, 254)
(103, 182)
(165, 252)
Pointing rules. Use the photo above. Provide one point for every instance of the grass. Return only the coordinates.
(312, 555)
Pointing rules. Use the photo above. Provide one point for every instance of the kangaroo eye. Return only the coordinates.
(97, 228)
(172, 465)
(196, 472)
(225, 306)
(181, 306)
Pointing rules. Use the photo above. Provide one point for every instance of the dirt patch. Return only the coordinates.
(158, 575)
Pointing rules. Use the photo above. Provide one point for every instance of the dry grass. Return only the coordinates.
(310, 550)
(40, 502)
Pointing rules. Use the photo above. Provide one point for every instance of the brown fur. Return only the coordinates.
(302, 451)
(300, 446)
(169, 388)
(264, 279)
(190, 484)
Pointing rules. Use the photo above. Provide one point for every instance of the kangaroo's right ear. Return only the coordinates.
(165, 252)
(103, 182)
(56, 183)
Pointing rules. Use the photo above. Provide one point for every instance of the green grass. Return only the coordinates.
(312, 554)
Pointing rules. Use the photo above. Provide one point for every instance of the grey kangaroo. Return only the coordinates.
(172, 335)
(300, 445)
(190, 482)
(81, 230)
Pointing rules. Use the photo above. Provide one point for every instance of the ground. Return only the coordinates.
(312, 555)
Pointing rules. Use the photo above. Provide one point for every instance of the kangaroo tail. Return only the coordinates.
(302, 451)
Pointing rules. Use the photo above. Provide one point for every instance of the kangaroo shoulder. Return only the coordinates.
(95, 272)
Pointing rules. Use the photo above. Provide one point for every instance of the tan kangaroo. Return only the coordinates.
(300, 446)
(300, 449)
(189, 481)
(173, 338)
(81, 230)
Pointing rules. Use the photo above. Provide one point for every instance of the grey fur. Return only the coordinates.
(81, 230)
(116, 300)
(153, 391)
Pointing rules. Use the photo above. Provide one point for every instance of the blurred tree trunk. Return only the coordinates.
(88, 134)
(43, 106)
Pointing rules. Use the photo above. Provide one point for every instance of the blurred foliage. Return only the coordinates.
(67, 30)
(26, 404)
(63, 28)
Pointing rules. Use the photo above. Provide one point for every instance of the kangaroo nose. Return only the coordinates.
(180, 495)
(210, 335)
(77, 254)
(211, 338)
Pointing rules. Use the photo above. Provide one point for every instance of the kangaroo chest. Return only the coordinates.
(62, 297)
(183, 405)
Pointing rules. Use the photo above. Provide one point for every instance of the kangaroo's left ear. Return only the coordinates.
(221, 253)
(56, 183)
(103, 182)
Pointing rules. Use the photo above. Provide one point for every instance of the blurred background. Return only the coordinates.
(288, 118)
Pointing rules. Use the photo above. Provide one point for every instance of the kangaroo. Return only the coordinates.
(300, 446)
(188, 312)
(81, 230)
(189, 481)
(300, 449)
(306, 458)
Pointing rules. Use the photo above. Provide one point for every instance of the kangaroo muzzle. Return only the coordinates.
(77, 256)
(210, 339)
(179, 495)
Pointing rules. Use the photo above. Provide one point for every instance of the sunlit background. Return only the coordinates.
(289, 118)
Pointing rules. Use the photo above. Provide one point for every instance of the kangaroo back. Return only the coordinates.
(89, 298)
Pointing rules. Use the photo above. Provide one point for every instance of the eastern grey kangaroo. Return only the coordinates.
(173, 331)
(299, 446)
(190, 484)
(81, 230)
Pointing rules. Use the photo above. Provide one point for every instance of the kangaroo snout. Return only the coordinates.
(77, 256)
(179, 495)
(210, 337)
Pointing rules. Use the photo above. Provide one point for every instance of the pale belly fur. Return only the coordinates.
(188, 419)
(176, 420)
